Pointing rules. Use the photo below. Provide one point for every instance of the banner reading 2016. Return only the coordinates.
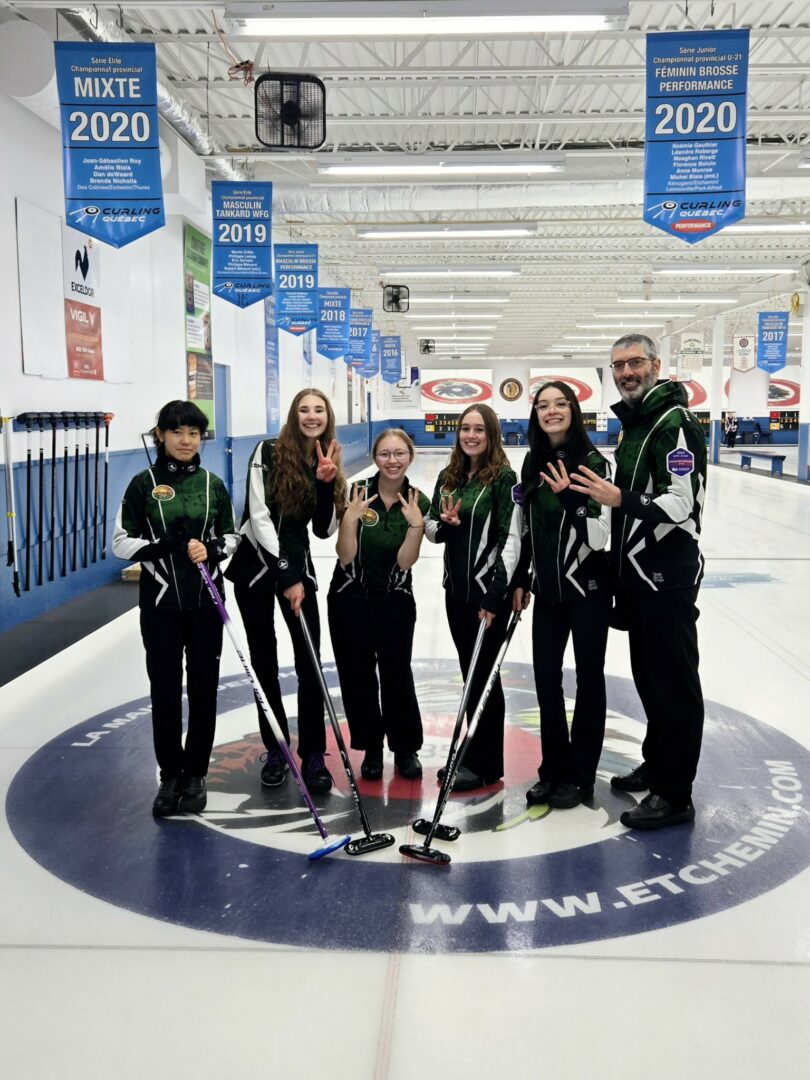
(694, 157)
(391, 358)
(242, 266)
(110, 149)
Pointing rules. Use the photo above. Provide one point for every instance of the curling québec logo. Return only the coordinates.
(521, 877)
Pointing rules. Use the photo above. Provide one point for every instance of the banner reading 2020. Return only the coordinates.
(110, 148)
(694, 156)
(242, 264)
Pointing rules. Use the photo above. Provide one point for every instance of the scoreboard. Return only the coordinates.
(441, 424)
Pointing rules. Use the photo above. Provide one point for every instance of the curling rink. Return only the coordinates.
(554, 944)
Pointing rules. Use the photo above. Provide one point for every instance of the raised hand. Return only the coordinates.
(410, 508)
(557, 481)
(450, 511)
(358, 504)
(587, 482)
(327, 463)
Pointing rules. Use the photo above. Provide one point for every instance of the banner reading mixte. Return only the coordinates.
(110, 149)
(296, 287)
(694, 157)
(391, 358)
(242, 266)
(333, 322)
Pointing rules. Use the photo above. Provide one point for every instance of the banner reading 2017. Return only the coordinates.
(694, 157)
(110, 149)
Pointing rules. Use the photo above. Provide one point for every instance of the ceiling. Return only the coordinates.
(579, 93)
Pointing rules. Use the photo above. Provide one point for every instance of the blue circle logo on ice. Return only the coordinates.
(522, 877)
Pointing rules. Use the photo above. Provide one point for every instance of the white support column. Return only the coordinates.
(716, 388)
(666, 356)
(803, 472)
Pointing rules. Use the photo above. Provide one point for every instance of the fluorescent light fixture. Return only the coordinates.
(461, 299)
(435, 316)
(589, 337)
(367, 19)
(447, 232)
(463, 340)
(769, 226)
(452, 271)
(452, 163)
(439, 327)
(804, 159)
(719, 270)
(614, 325)
(645, 313)
(694, 301)
(576, 348)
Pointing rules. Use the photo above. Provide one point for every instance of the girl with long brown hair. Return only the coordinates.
(475, 516)
(292, 480)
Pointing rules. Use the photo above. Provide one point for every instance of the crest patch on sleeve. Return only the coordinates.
(680, 462)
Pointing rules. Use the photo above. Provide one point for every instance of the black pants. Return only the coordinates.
(371, 635)
(256, 605)
(485, 754)
(166, 636)
(571, 757)
(664, 658)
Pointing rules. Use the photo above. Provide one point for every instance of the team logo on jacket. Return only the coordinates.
(680, 462)
(521, 877)
(369, 517)
(517, 494)
(163, 493)
(581, 511)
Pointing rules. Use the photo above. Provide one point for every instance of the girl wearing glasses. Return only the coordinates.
(291, 481)
(372, 612)
(475, 516)
(564, 542)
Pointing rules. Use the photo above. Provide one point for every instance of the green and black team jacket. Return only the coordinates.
(163, 508)
(564, 537)
(374, 571)
(274, 543)
(481, 554)
(661, 470)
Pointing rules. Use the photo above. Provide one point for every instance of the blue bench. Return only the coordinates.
(775, 460)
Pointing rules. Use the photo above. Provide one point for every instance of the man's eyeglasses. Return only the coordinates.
(397, 455)
(635, 363)
(544, 406)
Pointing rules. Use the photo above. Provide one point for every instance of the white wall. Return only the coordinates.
(142, 309)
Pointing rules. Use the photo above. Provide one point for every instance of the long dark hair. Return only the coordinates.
(578, 443)
(492, 460)
(289, 481)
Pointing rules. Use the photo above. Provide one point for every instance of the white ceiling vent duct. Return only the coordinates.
(27, 69)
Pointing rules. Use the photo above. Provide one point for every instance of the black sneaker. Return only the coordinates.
(193, 797)
(274, 770)
(167, 798)
(568, 795)
(316, 775)
(539, 794)
(636, 780)
(408, 766)
(371, 767)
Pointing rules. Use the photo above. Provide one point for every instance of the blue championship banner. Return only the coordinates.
(359, 353)
(694, 156)
(391, 358)
(296, 287)
(372, 366)
(110, 149)
(242, 257)
(772, 339)
(333, 322)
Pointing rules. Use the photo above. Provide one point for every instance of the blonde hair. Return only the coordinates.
(398, 433)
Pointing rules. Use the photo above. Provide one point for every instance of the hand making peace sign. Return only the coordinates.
(327, 463)
(449, 511)
(557, 481)
(410, 509)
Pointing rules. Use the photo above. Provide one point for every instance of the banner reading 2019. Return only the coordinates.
(110, 148)
(694, 157)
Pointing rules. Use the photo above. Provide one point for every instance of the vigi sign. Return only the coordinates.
(110, 147)
(694, 158)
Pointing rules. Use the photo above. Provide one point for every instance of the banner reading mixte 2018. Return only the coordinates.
(694, 157)
(110, 149)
